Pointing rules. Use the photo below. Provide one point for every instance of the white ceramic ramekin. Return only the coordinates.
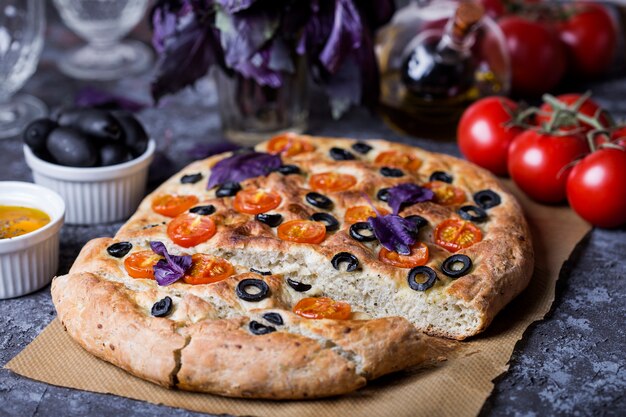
(28, 262)
(95, 195)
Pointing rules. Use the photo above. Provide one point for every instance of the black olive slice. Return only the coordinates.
(319, 200)
(260, 285)
(441, 176)
(383, 194)
(418, 221)
(473, 213)
(357, 229)
(298, 286)
(260, 329)
(487, 199)
(329, 221)
(288, 169)
(162, 307)
(274, 318)
(272, 220)
(428, 273)
(228, 189)
(361, 147)
(203, 210)
(256, 271)
(456, 266)
(120, 249)
(190, 178)
(391, 172)
(345, 257)
(339, 154)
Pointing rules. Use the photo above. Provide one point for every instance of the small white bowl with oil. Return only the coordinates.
(29, 261)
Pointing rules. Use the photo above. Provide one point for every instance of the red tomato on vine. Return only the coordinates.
(540, 163)
(485, 132)
(596, 187)
(538, 58)
(590, 38)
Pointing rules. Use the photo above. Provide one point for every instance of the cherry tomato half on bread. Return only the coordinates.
(357, 214)
(446, 194)
(486, 131)
(190, 229)
(585, 106)
(590, 38)
(302, 231)
(255, 201)
(206, 269)
(454, 234)
(322, 308)
(288, 144)
(398, 159)
(417, 257)
(141, 264)
(538, 58)
(596, 188)
(172, 205)
(539, 163)
(331, 182)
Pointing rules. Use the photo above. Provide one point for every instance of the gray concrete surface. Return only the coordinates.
(571, 364)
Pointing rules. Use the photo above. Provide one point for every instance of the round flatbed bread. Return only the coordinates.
(290, 287)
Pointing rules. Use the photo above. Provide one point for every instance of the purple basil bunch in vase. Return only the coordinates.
(265, 51)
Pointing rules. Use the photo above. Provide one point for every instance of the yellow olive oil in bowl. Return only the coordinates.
(17, 221)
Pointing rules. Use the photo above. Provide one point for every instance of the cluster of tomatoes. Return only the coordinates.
(568, 148)
(549, 40)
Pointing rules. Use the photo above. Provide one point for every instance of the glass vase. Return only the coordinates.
(251, 113)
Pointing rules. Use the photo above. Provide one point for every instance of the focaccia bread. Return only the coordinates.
(296, 280)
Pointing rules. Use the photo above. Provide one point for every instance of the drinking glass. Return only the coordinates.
(102, 23)
(21, 40)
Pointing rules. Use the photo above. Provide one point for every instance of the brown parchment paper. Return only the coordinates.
(457, 386)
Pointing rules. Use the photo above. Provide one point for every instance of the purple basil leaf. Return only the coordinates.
(242, 166)
(243, 35)
(393, 232)
(186, 57)
(344, 63)
(258, 68)
(259, 40)
(166, 17)
(204, 150)
(172, 268)
(93, 97)
(158, 247)
(407, 194)
(344, 37)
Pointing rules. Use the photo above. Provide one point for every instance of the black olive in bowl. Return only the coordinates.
(71, 148)
(134, 135)
(99, 124)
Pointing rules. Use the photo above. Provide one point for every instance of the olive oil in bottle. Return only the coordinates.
(450, 60)
(442, 68)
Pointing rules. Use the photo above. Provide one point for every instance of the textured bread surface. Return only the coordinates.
(205, 343)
